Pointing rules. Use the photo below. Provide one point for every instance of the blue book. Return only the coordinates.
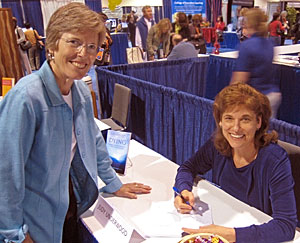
(117, 144)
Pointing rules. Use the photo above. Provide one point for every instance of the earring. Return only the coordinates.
(50, 56)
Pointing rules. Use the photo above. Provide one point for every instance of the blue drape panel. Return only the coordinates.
(218, 76)
(118, 48)
(34, 15)
(95, 5)
(290, 88)
(186, 75)
(231, 40)
(167, 5)
(16, 10)
(215, 8)
(286, 132)
(170, 122)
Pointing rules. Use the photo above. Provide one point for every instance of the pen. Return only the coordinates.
(179, 194)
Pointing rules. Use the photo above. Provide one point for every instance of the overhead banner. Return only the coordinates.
(188, 6)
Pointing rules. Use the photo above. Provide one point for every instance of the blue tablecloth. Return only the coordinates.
(231, 40)
(118, 48)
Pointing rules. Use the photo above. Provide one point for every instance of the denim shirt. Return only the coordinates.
(35, 150)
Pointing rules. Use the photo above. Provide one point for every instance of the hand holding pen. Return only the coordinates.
(184, 201)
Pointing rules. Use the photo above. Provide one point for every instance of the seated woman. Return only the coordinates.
(247, 163)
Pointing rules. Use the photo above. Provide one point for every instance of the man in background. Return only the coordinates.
(181, 49)
(143, 26)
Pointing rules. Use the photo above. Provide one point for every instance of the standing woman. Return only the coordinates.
(158, 40)
(285, 25)
(196, 35)
(275, 29)
(254, 63)
(51, 150)
(220, 27)
(23, 54)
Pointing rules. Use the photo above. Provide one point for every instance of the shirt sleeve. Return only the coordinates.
(17, 129)
(199, 163)
(105, 170)
(138, 39)
(150, 47)
(282, 227)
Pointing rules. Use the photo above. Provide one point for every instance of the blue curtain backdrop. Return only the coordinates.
(167, 9)
(171, 122)
(213, 10)
(34, 15)
(186, 75)
(16, 10)
(95, 5)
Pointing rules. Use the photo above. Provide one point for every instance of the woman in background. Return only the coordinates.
(247, 163)
(158, 40)
(220, 27)
(275, 29)
(254, 63)
(285, 25)
(23, 54)
(51, 150)
(34, 52)
(196, 35)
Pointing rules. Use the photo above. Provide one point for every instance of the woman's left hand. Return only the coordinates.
(227, 233)
(130, 190)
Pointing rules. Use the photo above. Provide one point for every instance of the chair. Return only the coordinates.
(294, 155)
(120, 108)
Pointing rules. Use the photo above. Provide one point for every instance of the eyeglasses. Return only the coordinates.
(78, 45)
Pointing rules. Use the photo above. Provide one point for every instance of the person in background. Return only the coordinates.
(285, 25)
(51, 149)
(23, 54)
(254, 63)
(247, 163)
(131, 29)
(205, 23)
(220, 27)
(123, 25)
(196, 35)
(34, 52)
(182, 49)
(103, 57)
(241, 25)
(190, 16)
(275, 29)
(158, 40)
(143, 26)
(181, 26)
(296, 29)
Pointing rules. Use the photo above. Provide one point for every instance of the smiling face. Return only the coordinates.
(71, 62)
(239, 126)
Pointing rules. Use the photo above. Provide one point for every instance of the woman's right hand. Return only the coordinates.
(180, 205)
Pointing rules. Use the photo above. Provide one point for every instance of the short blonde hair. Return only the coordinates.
(257, 20)
(72, 18)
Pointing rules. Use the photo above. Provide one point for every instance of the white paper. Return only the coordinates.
(163, 220)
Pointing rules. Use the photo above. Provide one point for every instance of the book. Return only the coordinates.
(117, 144)
(7, 84)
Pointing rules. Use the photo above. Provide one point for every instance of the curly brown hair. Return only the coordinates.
(238, 95)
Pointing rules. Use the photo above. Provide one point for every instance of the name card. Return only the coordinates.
(115, 228)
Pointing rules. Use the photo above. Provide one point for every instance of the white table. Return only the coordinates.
(153, 169)
(102, 126)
